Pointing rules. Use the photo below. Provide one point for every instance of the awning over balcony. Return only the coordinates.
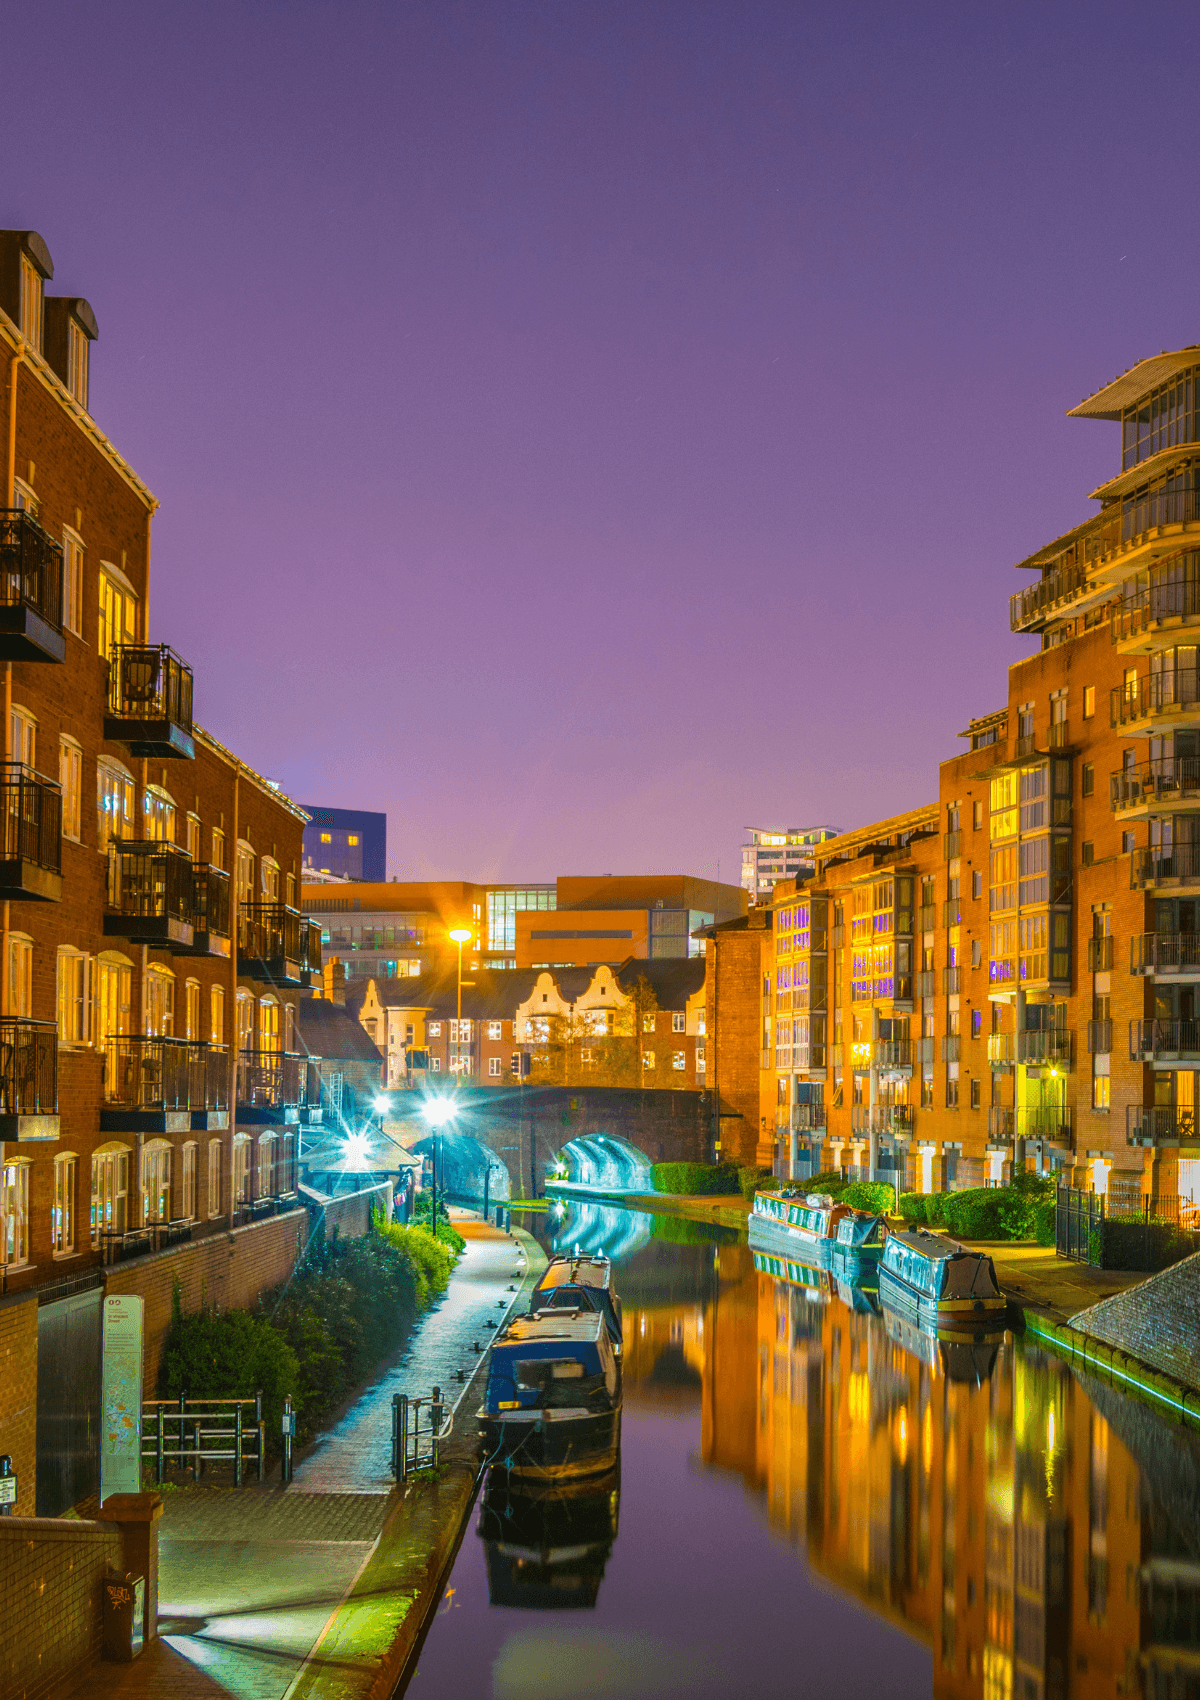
(1111, 401)
(1154, 466)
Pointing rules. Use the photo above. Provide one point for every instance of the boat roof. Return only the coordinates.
(575, 1272)
(581, 1325)
(936, 1246)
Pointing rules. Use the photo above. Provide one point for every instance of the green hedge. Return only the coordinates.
(1023, 1211)
(831, 1181)
(879, 1196)
(694, 1179)
(751, 1181)
(912, 1208)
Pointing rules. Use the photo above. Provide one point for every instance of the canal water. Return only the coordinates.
(805, 1505)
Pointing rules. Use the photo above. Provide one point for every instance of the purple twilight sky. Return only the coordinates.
(583, 429)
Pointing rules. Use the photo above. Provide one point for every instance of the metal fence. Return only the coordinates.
(190, 1433)
(1077, 1216)
(1125, 1229)
(419, 1426)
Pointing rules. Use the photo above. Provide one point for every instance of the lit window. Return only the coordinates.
(70, 779)
(77, 362)
(20, 974)
(435, 1065)
(214, 1177)
(678, 1023)
(435, 1029)
(62, 1213)
(191, 1005)
(218, 848)
(156, 1181)
(493, 1029)
(326, 838)
(189, 1182)
(679, 1059)
(158, 812)
(647, 1024)
(117, 612)
(74, 997)
(1089, 701)
(32, 291)
(193, 837)
(110, 1192)
(114, 803)
(494, 1067)
(241, 1170)
(216, 1010)
(160, 1002)
(72, 582)
(14, 1214)
(352, 839)
(648, 1059)
(24, 736)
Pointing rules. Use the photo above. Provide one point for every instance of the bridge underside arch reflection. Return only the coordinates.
(598, 1229)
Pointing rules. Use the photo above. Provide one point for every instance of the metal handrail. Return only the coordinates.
(150, 878)
(1157, 864)
(1163, 1038)
(28, 1067)
(30, 817)
(271, 1079)
(210, 899)
(1163, 780)
(1156, 1124)
(31, 566)
(1045, 1045)
(413, 1448)
(1164, 953)
(248, 1439)
(269, 931)
(149, 682)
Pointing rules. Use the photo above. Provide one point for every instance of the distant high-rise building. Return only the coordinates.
(350, 844)
(779, 853)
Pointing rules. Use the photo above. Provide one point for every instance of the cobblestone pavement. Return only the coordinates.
(355, 1457)
(249, 1579)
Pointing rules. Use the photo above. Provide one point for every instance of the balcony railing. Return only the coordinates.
(151, 891)
(1154, 1039)
(210, 911)
(808, 1118)
(1160, 506)
(1058, 737)
(271, 1082)
(1160, 1124)
(952, 912)
(269, 943)
(1002, 1050)
(28, 1079)
(1165, 953)
(310, 950)
(951, 1047)
(951, 978)
(1099, 1037)
(1164, 865)
(1033, 607)
(1163, 783)
(153, 1078)
(1001, 1123)
(1024, 745)
(30, 834)
(926, 917)
(952, 844)
(837, 935)
(31, 575)
(1053, 1123)
(1100, 955)
(1153, 693)
(1053, 1045)
(1168, 596)
(149, 701)
(923, 1051)
(887, 1120)
(925, 984)
(893, 1053)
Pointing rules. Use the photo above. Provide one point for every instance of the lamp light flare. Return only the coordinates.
(438, 1111)
(461, 935)
(357, 1147)
(383, 1104)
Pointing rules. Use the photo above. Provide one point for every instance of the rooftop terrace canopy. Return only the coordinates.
(1111, 401)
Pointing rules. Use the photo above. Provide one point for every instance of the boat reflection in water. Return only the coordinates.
(547, 1544)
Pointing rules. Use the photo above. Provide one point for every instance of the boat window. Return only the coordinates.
(540, 1372)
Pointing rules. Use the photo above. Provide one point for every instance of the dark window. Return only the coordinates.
(1127, 844)
(1088, 853)
(975, 1093)
(1087, 778)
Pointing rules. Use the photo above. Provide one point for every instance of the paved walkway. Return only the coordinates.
(251, 1579)
(1036, 1278)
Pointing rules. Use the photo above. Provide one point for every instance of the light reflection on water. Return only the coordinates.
(806, 1504)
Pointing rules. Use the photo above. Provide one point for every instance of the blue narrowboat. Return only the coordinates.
(940, 1285)
(858, 1245)
(794, 1225)
(553, 1403)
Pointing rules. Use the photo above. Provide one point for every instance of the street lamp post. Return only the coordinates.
(437, 1113)
(460, 935)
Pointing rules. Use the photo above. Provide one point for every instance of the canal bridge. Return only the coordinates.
(607, 1136)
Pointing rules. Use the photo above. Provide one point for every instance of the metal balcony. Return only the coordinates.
(1001, 1050)
(926, 917)
(310, 951)
(28, 1080)
(1167, 782)
(150, 702)
(1156, 700)
(155, 1084)
(269, 943)
(951, 1047)
(894, 1053)
(809, 1118)
(1174, 956)
(1160, 867)
(888, 1121)
(952, 912)
(1046, 1046)
(952, 844)
(1058, 737)
(1166, 1042)
(1099, 1037)
(210, 913)
(925, 984)
(1053, 1124)
(1160, 1124)
(271, 1086)
(31, 575)
(1001, 1125)
(30, 836)
(951, 979)
(1100, 955)
(150, 894)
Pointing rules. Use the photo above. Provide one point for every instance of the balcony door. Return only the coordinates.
(269, 1039)
(156, 1180)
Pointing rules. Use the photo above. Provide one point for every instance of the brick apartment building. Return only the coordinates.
(1010, 978)
(640, 1024)
(152, 954)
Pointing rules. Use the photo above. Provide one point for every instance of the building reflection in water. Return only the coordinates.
(981, 1501)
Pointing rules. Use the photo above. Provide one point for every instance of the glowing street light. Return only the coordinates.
(437, 1112)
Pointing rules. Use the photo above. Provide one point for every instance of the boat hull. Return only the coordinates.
(553, 1445)
(944, 1318)
(783, 1241)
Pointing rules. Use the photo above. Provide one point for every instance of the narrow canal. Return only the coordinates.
(804, 1507)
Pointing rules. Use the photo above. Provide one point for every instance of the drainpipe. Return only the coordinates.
(14, 363)
(231, 1020)
(1019, 1027)
(873, 1123)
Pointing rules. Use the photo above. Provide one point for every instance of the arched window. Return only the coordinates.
(114, 801)
(191, 1009)
(158, 815)
(156, 1180)
(214, 1178)
(62, 1211)
(243, 872)
(160, 1002)
(241, 1170)
(110, 1192)
(269, 871)
(268, 1026)
(266, 1166)
(216, 1010)
(14, 1213)
(245, 1021)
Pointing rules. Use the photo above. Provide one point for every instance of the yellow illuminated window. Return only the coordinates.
(352, 838)
(326, 838)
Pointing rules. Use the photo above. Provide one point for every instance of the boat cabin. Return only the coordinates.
(814, 1215)
(579, 1283)
(941, 1273)
(551, 1362)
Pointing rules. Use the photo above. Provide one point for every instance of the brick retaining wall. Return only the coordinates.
(1158, 1321)
(225, 1270)
(18, 1395)
(351, 1213)
(51, 1570)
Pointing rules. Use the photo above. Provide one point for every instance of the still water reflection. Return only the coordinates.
(805, 1504)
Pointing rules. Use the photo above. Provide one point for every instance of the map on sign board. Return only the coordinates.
(121, 1396)
(8, 1490)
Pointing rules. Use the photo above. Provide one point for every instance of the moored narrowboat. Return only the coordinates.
(553, 1401)
(858, 1245)
(939, 1284)
(580, 1283)
(799, 1226)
